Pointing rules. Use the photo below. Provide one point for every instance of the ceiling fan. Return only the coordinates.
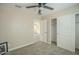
(43, 5)
(40, 5)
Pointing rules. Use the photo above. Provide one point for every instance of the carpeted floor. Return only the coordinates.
(40, 48)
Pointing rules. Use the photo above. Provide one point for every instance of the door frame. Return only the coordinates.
(51, 29)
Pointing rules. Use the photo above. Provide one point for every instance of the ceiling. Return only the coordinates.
(56, 6)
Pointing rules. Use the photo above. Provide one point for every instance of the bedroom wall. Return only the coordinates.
(16, 26)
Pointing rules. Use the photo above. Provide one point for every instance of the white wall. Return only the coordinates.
(66, 32)
(16, 26)
(77, 31)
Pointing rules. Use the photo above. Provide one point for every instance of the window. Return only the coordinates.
(36, 28)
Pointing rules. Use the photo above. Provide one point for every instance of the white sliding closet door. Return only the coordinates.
(66, 32)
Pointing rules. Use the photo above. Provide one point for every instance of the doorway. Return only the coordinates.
(54, 31)
(77, 33)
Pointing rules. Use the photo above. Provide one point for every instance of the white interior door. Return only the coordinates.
(44, 31)
(66, 32)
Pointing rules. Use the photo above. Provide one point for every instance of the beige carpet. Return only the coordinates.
(40, 48)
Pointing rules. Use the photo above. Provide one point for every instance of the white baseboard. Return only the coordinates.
(21, 46)
(45, 42)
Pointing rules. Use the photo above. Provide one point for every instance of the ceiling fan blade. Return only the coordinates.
(32, 6)
(44, 3)
(48, 7)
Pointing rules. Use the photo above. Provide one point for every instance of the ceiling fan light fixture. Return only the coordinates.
(39, 5)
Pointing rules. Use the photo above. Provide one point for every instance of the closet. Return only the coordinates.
(77, 32)
(54, 31)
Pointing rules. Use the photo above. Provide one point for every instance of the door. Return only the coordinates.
(44, 30)
(66, 32)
